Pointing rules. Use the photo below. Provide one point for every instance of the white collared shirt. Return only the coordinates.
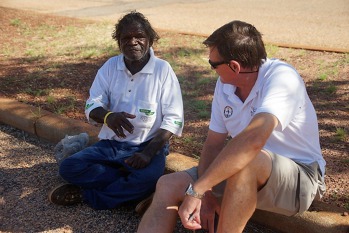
(279, 90)
(153, 95)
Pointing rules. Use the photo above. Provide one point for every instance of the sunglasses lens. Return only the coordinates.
(215, 64)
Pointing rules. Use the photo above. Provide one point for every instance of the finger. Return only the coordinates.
(120, 132)
(127, 125)
(211, 226)
(133, 162)
(191, 222)
(128, 115)
(141, 163)
(204, 223)
(128, 161)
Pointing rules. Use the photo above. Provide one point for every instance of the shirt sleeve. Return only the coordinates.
(283, 94)
(172, 103)
(98, 92)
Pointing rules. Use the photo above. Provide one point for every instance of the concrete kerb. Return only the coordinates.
(322, 218)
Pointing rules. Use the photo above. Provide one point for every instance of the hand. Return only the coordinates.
(138, 160)
(209, 207)
(189, 212)
(117, 121)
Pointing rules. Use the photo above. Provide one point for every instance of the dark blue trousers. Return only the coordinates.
(106, 180)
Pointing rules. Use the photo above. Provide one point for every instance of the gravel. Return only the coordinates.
(28, 171)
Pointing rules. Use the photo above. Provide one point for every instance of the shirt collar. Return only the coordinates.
(229, 89)
(147, 69)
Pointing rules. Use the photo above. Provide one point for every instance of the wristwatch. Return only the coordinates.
(190, 192)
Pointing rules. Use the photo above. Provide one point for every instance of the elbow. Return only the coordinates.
(256, 142)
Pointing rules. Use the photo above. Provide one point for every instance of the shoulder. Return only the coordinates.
(277, 71)
(275, 66)
(114, 60)
(112, 63)
(161, 62)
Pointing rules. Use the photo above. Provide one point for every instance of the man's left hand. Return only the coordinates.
(138, 161)
(209, 208)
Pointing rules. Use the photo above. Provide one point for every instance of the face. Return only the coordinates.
(134, 42)
(222, 69)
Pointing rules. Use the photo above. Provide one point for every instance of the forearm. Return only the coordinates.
(238, 153)
(157, 142)
(98, 114)
(208, 155)
(212, 147)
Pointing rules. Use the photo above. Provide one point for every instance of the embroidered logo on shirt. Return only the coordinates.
(88, 106)
(147, 112)
(146, 119)
(228, 111)
(178, 123)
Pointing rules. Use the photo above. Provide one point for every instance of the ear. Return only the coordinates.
(151, 42)
(235, 66)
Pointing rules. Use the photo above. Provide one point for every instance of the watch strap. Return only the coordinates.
(190, 192)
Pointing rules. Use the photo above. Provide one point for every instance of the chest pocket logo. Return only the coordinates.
(228, 111)
(148, 115)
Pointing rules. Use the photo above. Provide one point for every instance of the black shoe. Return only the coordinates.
(65, 194)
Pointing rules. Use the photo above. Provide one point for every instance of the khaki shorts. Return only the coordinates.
(291, 187)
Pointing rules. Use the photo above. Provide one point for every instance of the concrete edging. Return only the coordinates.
(322, 219)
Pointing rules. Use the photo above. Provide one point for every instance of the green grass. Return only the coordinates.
(341, 134)
(331, 89)
(271, 50)
(15, 22)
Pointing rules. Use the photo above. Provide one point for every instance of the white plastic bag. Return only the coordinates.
(70, 145)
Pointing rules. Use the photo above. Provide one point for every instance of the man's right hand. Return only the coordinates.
(117, 121)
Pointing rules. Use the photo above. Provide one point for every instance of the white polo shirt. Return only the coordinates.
(279, 90)
(153, 95)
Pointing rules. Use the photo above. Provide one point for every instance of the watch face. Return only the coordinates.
(190, 192)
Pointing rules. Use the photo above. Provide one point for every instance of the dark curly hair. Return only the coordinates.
(239, 41)
(131, 18)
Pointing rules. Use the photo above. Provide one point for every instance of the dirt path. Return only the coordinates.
(307, 24)
(28, 171)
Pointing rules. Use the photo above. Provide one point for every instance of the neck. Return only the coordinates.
(137, 65)
(244, 88)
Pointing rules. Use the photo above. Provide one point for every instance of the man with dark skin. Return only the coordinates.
(138, 99)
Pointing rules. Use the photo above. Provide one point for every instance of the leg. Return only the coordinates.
(240, 195)
(135, 185)
(290, 188)
(93, 167)
(162, 213)
(97, 171)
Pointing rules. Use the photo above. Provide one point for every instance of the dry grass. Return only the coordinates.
(51, 62)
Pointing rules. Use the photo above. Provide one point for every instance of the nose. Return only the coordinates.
(133, 40)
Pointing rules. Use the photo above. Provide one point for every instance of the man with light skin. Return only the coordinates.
(273, 160)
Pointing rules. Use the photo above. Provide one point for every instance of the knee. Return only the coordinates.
(172, 186)
(163, 183)
(69, 167)
(257, 172)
